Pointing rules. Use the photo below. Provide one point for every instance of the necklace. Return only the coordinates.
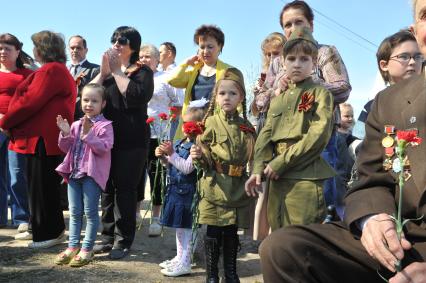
(208, 71)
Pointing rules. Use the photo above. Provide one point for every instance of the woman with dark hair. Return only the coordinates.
(206, 69)
(31, 120)
(129, 88)
(12, 162)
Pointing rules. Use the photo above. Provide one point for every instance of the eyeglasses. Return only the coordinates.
(122, 40)
(404, 58)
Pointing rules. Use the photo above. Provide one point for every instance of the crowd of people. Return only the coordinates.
(317, 198)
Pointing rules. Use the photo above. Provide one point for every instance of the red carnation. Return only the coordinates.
(409, 136)
(192, 128)
(163, 116)
(173, 117)
(150, 120)
(173, 109)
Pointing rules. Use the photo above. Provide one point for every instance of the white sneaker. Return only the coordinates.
(23, 227)
(177, 270)
(48, 243)
(155, 229)
(24, 236)
(168, 263)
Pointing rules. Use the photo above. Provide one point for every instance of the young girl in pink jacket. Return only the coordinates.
(87, 144)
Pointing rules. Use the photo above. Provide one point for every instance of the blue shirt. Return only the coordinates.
(203, 87)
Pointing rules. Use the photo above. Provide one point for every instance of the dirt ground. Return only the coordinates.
(20, 264)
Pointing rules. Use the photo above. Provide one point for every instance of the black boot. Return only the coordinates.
(212, 259)
(230, 250)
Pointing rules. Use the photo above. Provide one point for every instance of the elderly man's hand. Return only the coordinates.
(380, 240)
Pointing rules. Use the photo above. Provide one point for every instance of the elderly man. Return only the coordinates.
(367, 243)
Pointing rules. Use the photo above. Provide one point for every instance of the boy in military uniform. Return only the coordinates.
(288, 148)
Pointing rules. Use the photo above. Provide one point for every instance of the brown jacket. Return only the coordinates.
(404, 106)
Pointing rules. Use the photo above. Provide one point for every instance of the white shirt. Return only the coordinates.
(163, 97)
(179, 92)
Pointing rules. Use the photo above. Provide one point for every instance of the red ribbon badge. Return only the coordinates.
(307, 102)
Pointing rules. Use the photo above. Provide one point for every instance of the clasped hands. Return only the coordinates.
(65, 128)
(110, 63)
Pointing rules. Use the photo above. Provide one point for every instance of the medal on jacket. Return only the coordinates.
(387, 163)
(388, 141)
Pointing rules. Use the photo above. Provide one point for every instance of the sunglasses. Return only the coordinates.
(122, 40)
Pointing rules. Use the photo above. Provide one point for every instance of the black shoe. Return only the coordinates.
(212, 259)
(118, 253)
(230, 250)
(102, 248)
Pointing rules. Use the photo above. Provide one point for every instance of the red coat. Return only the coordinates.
(46, 93)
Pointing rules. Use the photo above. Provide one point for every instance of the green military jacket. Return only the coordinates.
(304, 133)
(223, 199)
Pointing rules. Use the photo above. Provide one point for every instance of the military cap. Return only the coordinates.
(235, 75)
(301, 33)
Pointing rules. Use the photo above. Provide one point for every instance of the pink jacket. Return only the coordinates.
(97, 152)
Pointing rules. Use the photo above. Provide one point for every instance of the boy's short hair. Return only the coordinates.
(388, 45)
(306, 47)
(196, 113)
(97, 87)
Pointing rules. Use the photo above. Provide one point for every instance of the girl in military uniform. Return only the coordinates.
(288, 148)
(223, 151)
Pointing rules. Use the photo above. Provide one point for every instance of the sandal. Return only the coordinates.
(66, 256)
(82, 258)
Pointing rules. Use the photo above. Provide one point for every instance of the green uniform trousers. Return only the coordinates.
(295, 201)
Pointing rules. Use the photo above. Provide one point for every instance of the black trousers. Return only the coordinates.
(326, 253)
(119, 199)
(151, 167)
(47, 219)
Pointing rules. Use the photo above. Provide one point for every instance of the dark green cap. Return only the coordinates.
(235, 75)
(302, 33)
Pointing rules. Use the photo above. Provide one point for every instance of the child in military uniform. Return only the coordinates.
(223, 151)
(288, 148)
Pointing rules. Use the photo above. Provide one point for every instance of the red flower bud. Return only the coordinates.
(163, 116)
(173, 109)
(150, 120)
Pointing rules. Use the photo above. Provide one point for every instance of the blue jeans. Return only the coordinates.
(18, 188)
(4, 178)
(83, 193)
(332, 194)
